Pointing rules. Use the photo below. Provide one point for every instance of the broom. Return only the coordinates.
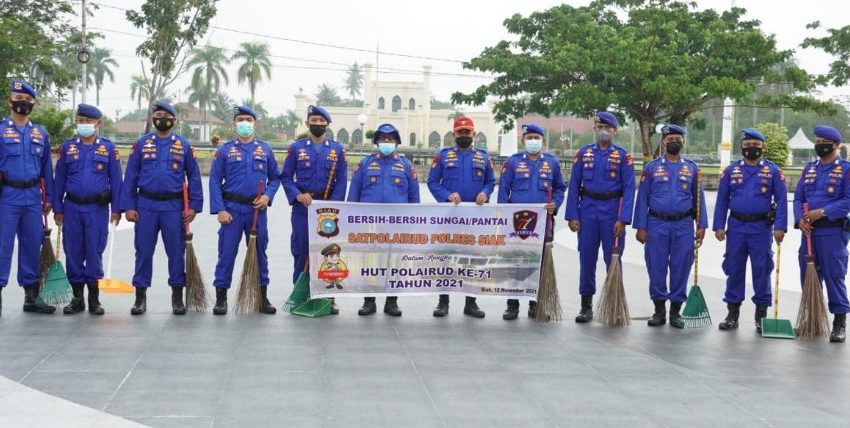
(612, 309)
(248, 297)
(548, 301)
(695, 313)
(300, 293)
(56, 288)
(196, 298)
(812, 320)
(776, 328)
(47, 255)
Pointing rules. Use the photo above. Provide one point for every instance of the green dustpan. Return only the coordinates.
(314, 308)
(56, 288)
(300, 293)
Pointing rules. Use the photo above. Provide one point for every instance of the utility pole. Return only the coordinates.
(83, 55)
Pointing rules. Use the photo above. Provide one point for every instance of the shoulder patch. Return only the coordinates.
(629, 160)
(643, 176)
(133, 148)
(413, 171)
(436, 161)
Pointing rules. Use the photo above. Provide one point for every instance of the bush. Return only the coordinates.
(776, 143)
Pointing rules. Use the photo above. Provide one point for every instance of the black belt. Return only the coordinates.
(601, 195)
(823, 222)
(102, 198)
(671, 217)
(161, 196)
(750, 218)
(233, 197)
(21, 184)
(319, 195)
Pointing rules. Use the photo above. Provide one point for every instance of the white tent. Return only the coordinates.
(800, 142)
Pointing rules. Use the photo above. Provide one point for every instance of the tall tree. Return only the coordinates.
(326, 95)
(100, 67)
(354, 81)
(172, 27)
(222, 106)
(837, 43)
(255, 63)
(207, 76)
(653, 61)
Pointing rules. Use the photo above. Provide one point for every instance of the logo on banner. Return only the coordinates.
(332, 270)
(328, 220)
(524, 223)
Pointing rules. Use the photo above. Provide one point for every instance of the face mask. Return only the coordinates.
(463, 142)
(245, 129)
(85, 129)
(673, 148)
(533, 146)
(824, 149)
(386, 149)
(318, 130)
(603, 136)
(752, 153)
(23, 107)
(163, 124)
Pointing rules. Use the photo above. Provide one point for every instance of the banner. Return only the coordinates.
(359, 249)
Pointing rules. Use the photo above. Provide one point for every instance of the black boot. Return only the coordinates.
(532, 308)
(659, 318)
(512, 312)
(30, 296)
(369, 307)
(471, 308)
(838, 328)
(141, 303)
(442, 308)
(334, 307)
(391, 306)
(266, 306)
(94, 300)
(77, 303)
(586, 313)
(761, 312)
(731, 322)
(177, 306)
(675, 318)
(220, 307)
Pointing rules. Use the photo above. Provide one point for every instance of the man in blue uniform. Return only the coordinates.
(88, 181)
(152, 197)
(384, 177)
(664, 218)
(599, 203)
(315, 168)
(825, 187)
(24, 160)
(462, 173)
(238, 168)
(529, 177)
(753, 193)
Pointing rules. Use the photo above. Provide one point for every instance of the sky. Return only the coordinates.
(440, 33)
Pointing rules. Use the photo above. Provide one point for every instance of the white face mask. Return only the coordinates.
(533, 145)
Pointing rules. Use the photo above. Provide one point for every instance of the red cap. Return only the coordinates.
(464, 123)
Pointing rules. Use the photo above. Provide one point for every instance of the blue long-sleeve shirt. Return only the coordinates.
(669, 188)
(314, 170)
(467, 172)
(384, 179)
(529, 181)
(239, 169)
(826, 187)
(87, 170)
(750, 190)
(25, 156)
(601, 171)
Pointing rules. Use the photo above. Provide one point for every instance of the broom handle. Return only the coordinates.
(809, 236)
(549, 220)
(696, 247)
(776, 281)
(257, 210)
(619, 211)
(111, 247)
(186, 205)
(43, 201)
(330, 180)
(58, 241)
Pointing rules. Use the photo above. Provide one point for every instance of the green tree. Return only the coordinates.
(354, 81)
(222, 106)
(56, 121)
(207, 76)
(258, 108)
(172, 27)
(776, 147)
(653, 61)
(837, 43)
(326, 95)
(99, 68)
(255, 63)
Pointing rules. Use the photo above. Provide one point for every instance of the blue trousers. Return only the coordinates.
(670, 247)
(149, 226)
(592, 233)
(758, 247)
(299, 241)
(25, 223)
(830, 253)
(85, 234)
(229, 237)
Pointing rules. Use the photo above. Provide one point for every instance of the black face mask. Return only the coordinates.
(463, 142)
(752, 153)
(824, 149)
(318, 130)
(673, 148)
(163, 124)
(23, 107)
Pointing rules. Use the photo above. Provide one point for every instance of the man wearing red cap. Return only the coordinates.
(462, 173)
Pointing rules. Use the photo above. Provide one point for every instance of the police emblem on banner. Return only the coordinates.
(524, 223)
(328, 222)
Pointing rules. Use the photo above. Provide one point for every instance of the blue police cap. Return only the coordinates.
(23, 87)
(607, 118)
(672, 129)
(164, 106)
(386, 128)
(90, 111)
(751, 134)
(244, 110)
(828, 133)
(318, 111)
(530, 128)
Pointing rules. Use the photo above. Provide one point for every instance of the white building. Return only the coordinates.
(407, 106)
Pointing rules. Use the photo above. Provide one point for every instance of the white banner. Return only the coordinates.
(359, 249)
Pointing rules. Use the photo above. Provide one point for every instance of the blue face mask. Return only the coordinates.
(245, 129)
(533, 146)
(386, 148)
(85, 129)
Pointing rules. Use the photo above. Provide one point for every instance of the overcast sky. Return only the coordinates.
(446, 31)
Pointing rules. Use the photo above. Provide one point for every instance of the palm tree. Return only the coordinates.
(207, 76)
(100, 67)
(326, 95)
(139, 89)
(222, 106)
(354, 81)
(255, 56)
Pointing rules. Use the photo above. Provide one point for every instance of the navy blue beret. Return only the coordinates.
(318, 111)
(530, 128)
(164, 106)
(828, 133)
(751, 134)
(672, 129)
(607, 118)
(244, 110)
(90, 111)
(23, 87)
